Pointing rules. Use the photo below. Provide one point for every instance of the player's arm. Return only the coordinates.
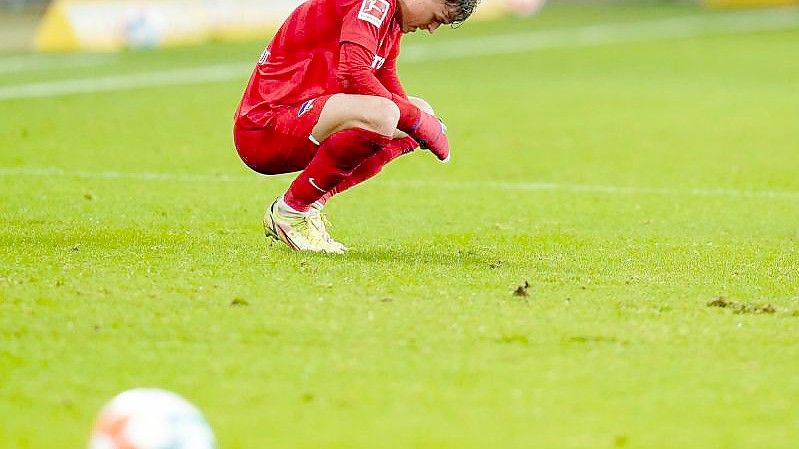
(387, 75)
(389, 78)
(355, 76)
(354, 73)
(359, 42)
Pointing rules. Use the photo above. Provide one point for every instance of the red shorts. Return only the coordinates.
(284, 145)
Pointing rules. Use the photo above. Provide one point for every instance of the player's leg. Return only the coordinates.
(290, 139)
(350, 129)
(420, 103)
(401, 144)
(343, 111)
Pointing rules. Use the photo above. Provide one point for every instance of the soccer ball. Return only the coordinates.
(149, 418)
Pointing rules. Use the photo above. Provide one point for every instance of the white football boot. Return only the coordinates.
(295, 229)
(319, 219)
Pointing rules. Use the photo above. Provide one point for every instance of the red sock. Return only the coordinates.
(373, 165)
(337, 157)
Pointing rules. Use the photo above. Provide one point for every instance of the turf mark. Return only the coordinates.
(742, 307)
(521, 290)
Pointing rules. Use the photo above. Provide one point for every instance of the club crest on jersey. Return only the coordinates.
(374, 11)
(307, 106)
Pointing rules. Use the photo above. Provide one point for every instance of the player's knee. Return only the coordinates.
(422, 104)
(383, 116)
(376, 114)
(380, 115)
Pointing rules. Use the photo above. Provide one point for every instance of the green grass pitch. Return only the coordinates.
(630, 183)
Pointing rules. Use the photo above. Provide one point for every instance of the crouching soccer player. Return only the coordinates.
(325, 99)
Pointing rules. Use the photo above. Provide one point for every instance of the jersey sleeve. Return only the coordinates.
(388, 73)
(355, 76)
(363, 22)
(354, 73)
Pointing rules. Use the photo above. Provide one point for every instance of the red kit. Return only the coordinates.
(296, 74)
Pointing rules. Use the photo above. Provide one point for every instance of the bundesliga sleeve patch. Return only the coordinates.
(374, 11)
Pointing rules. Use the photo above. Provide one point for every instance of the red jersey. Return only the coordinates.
(301, 61)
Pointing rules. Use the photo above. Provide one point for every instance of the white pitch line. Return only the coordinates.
(593, 35)
(141, 176)
(455, 185)
(604, 189)
(114, 83)
(16, 64)
(671, 28)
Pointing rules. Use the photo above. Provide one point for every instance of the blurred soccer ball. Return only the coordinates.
(148, 418)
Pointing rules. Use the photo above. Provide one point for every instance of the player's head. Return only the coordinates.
(431, 14)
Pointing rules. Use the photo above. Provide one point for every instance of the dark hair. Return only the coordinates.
(460, 10)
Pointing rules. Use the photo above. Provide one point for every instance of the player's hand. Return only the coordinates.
(431, 133)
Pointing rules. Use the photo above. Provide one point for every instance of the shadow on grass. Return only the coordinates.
(432, 255)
